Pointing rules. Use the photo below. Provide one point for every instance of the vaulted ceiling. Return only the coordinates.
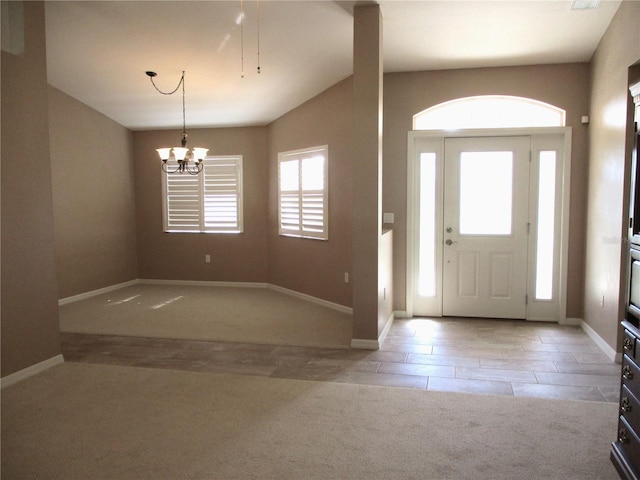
(98, 51)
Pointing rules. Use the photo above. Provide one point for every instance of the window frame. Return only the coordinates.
(198, 186)
(311, 195)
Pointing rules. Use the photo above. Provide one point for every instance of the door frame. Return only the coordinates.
(557, 312)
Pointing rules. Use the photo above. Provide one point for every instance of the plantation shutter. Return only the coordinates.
(222, 195)
(313, 195)
(290, 197)
(303, 193)
(182, 203)
(210, 202)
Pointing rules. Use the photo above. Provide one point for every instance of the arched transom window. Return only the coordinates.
(490, 111)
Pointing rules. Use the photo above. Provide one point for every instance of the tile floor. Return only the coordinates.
(502, 357)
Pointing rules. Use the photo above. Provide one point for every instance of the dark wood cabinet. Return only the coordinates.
(634, 211)
(625, 450)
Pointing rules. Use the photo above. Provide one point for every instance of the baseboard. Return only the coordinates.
(364, 344)
(309, 298)
(597, 339)
(201, 283)
(205, 283)
(400, 314)
(385, 330)
(94, 293)
(30, 371)
(571, 321)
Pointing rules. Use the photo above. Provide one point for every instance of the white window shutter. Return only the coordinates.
(303, 193)
(222, 195)
(210, 202)
(313, 213)
(182, 212)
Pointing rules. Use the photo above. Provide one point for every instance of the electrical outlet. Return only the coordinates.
(207, 259)
(346, 277)
(602, 302)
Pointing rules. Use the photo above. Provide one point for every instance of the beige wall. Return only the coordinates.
(326, 119)
(180, 256)
(315, 267)
(565, 86)
(609, 166)
(30, 331)
(93, 197)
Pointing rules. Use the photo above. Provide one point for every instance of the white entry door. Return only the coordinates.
(485, 222)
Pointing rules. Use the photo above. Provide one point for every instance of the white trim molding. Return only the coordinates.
(94, 293)
(364, 344)
(201, 283)
(204, 283)
(385, 330)
(635, 93)
(572, 322)
(30, 371)
(309, 298)
(598, 340)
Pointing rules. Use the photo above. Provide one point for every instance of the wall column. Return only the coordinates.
(367, 172)
(29, 296)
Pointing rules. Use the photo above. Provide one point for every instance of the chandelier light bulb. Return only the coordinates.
(180, 153)
(199, 154)
(164, 153)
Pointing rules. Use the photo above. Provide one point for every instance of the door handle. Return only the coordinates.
(448, 241)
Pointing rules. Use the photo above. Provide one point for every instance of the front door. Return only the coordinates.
(485, 222)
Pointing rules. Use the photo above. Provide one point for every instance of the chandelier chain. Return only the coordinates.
(182, 155)
(181, 82)
(184, 115)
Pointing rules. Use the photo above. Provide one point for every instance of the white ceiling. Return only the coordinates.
(98, 52)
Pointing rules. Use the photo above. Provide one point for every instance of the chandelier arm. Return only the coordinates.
(179, 169)
(195, 170)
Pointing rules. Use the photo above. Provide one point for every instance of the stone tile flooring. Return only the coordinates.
(500, 357)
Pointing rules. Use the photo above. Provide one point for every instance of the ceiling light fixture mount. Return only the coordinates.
(181, 154)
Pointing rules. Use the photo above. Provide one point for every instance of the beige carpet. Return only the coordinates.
(230, 314)
(78, 421)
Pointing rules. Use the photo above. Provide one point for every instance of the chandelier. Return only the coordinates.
(181, 154)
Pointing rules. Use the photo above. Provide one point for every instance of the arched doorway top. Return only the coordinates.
(489, 111)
